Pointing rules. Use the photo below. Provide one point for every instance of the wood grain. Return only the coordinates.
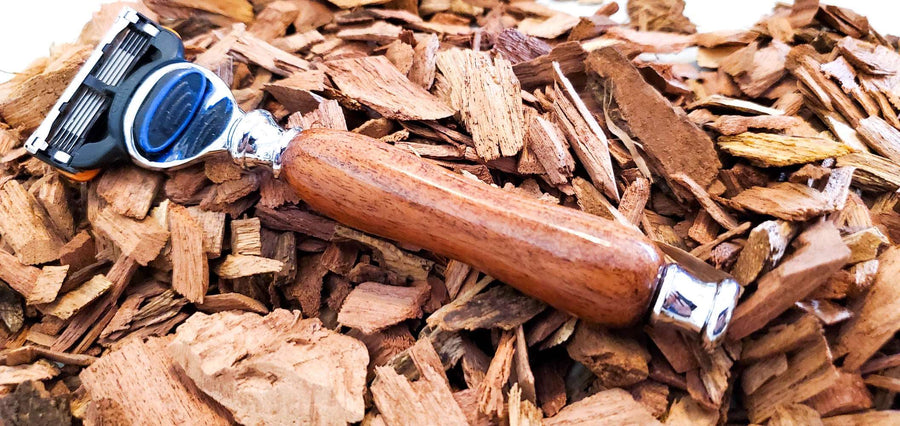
(593, 268)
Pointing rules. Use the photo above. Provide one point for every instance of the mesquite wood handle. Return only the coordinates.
(588, 266)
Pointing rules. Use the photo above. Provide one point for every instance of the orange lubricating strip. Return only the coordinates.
(83, 176)
(173, 31)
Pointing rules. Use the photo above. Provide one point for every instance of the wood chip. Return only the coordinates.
(278, 356)
(79, 252)
(847, 394)
(660, 15)
(419, 402)
(372, 307)
(328, 114)
(53, 196)
(239, 265)
(19, 276)
(875, 321)
(271, 58)
(765, 246)
(676, 147)
(687, 411)
(518, 47)
(25, 226)
(730, 125)
(738, 105)
(809, 371)
(617, 361)
(881, 137)
(213, 224)
(885, 417)
(715, 211)
(784, 200)
(674, 348)
(245, 237)
(487, 95)
(190, 268)
(869, 58)
(274, 19)
(406, 265)
(40, 370)
(521, 411)
(794, 414)
(782, 338)
(47, 286)
(25, 103)
(546, 141)
(501, 307)
(350, 4)
(29, 354)
(141, 241)
(539, 70)
(865, 244)
(490, 391)
(295, 92)
(424, 62)
(821, 254)
(770, 150)
(550, 28)
(70, 303)
(584, 133)
(376, 83)
(299, 41)
(133, 397)
(758, 373)
(872, 172)
(129, 190)
(648, 41)
(634, 199)
(608, 407)
(213, 303)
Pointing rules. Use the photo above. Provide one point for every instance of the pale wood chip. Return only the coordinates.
(608, 407)
(487, 95)
(70, 303)
(376, 83)
(372, 307)
(190, 268)
(239, 265)
(308, 372)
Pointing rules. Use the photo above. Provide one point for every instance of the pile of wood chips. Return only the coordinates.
(213, 294)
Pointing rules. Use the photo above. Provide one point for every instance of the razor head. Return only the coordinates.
(83, 131)
(137, 97)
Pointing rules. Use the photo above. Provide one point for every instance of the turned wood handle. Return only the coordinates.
(591, 267)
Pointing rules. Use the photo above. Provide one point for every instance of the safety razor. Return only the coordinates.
(137, 98)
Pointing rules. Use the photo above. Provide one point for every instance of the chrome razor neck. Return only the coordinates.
(256, 139)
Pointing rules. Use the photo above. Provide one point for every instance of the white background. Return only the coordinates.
(29, 27)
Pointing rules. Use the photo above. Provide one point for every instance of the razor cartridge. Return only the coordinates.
(136, 96)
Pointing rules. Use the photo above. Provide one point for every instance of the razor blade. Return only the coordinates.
(137, 97)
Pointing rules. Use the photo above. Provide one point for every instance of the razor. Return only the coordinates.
(137, 98)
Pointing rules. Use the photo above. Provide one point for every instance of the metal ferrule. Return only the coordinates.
(698, 307)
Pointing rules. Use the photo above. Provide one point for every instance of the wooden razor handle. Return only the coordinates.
(588, 266)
